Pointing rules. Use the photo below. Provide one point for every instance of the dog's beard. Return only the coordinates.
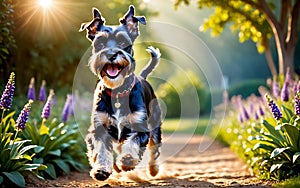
(113, 73)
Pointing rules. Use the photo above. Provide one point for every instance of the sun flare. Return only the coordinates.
(45, 3)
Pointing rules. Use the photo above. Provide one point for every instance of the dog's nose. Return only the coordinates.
(113, 57)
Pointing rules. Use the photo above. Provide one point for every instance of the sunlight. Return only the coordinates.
(45, 3)
(47, 18)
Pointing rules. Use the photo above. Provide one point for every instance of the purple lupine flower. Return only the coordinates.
(23, 117)
(31, 90)
(275, 89)
(261, 111)
(8, 93)
(240, 118)
(297, 104)
(67, 108)
(245, 113)
(42, 93)
(274, 108)
(256, 116)
(72, 112)
(47, 107)
(285, 89)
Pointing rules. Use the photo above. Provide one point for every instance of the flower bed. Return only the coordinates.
(37, 143)
(265, 131)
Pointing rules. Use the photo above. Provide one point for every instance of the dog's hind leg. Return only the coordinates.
(154, 124)
(154, 146)
(100, 154)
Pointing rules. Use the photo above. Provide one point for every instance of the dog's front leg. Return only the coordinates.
(99, 145)
(134, 146)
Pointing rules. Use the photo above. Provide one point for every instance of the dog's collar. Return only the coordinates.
(124, 93)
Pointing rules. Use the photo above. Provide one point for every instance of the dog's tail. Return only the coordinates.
(155, 56)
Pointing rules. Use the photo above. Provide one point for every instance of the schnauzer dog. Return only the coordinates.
(126, 116)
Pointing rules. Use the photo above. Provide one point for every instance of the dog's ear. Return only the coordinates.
(94, 26)
(131, 22)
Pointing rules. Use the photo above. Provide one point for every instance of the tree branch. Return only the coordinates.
(293, 24)
(283, 12)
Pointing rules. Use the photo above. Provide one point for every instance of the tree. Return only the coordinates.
(7, 41)
(257, 20)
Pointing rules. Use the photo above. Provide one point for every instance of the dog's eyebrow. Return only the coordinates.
(124, 35)
(103, 34)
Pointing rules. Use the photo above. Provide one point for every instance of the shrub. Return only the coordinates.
(265, 131)
(41, 145)
(15, 160)
(180, 88)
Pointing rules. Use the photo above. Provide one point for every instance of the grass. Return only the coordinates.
(198, 126)
(290, 183)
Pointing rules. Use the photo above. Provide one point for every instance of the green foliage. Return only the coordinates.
(16, 159)
(60, 147)
(178, 89)
(244, 19)
(290, 183)
(271, 147)
(42, 147)
(7, 41)
(246, 88)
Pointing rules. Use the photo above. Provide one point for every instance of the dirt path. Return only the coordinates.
(182, 166)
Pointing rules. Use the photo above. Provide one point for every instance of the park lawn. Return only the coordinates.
(185, 125)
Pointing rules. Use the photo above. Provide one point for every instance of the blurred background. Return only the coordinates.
(41, 40)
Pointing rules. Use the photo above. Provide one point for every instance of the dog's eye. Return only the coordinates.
(123, 44)
(100, 43)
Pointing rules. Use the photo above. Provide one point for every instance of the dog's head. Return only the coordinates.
(112, 59)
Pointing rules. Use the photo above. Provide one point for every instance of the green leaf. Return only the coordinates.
(42, 167)
(295, 156)
(1, 179)
(289, 113)
(291, 134)
(27, 157)
(26, 148)
(278, 151)
(16, 147)
(263, 146)
(55, 152)
(50, 170)
(38, 149)
(16, 178)
(62, 165)
(272, 130)
(44, 129)
(30, 167)
(275, 167)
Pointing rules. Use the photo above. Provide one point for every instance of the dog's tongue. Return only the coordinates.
(112, 70)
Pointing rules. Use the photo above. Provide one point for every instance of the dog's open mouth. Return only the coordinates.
(112, 70)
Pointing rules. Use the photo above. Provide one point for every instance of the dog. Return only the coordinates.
(126, 116)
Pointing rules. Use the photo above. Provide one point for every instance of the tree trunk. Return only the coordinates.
(269, 57)
(289, 59)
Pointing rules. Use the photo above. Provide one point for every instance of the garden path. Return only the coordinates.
(217, 166)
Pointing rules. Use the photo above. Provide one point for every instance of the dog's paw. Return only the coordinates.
(153, 170)
(99, 174)
(128, 163)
